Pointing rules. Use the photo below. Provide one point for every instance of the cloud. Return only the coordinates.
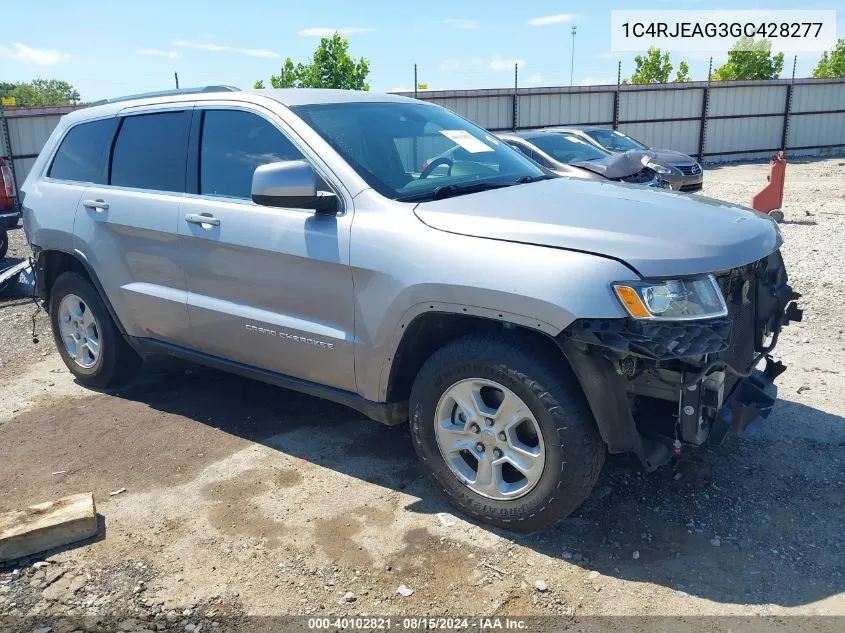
(220, 48)
(28, 55)
(534, 80)
(498, 64)
(154, 52)
(601, 81)
(321, 31)
(546, 20)
(460, 23)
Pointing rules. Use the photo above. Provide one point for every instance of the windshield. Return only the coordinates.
(567, 148)
(413, 150)
(615, 141)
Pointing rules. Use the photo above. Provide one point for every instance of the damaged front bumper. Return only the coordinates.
(657, 387)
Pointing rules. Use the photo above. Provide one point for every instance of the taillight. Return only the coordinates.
(8, 183)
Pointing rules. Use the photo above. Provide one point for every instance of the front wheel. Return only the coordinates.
(506, 433)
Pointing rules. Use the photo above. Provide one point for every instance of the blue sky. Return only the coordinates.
(112, 48)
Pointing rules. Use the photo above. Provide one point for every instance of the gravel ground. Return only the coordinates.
(243, 500)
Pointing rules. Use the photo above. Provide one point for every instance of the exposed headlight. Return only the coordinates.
(660, 169)
(672, 299)
(648, 161)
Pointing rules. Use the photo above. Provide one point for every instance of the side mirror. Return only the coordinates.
(291, 184)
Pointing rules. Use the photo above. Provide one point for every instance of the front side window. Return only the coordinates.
(232, 145)
(82, 154)
(567, 148)
(151, 150)
(615, 141)
(407, 151)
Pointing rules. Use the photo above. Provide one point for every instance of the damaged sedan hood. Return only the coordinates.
(656, 232)
(616, 165)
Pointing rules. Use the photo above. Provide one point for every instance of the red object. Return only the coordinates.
(770, 197)
(7, 186)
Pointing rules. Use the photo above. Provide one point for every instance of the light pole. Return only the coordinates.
(572, 67)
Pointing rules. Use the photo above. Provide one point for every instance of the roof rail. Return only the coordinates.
(166, 93)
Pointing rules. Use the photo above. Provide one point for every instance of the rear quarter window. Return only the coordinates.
(83, 152)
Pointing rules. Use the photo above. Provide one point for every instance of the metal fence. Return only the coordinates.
(714, 121)
(24, 131)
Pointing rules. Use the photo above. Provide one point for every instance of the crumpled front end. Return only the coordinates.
(658, 386)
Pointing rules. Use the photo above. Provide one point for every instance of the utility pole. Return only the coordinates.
(572, 66)
(515, 112)
(710, 70)
(415, 81)
(794, 64)
(176, 77)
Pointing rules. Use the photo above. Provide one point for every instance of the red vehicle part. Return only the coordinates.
(770, 198)
(7, 186)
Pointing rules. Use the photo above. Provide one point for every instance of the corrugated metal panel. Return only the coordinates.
(22, 167)
(817, 129)
(750, 100)
(659, 104)
(543, 110)
(735, 158)
(681, 136)
(809, 98)
(493, 113)
(29, 134)
(733, 135)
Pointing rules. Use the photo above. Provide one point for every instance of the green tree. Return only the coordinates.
(833, 64)
(750, 59)
(652, 68)
(40, 92)
(683, 72)
(330, 67)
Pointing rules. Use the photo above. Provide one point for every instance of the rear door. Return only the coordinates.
(127, 227)
(267, 287)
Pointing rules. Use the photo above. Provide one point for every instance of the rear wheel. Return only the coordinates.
(4, 243)
(86, 336)
(505, 432)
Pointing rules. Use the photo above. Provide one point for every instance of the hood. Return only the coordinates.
(656, 232)
(671, 157)
(616, 165)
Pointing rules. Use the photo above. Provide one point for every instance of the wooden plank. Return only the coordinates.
(47, 526)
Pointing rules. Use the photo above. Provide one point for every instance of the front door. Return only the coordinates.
(267, 287)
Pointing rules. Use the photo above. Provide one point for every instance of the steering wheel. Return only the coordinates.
(435, 164)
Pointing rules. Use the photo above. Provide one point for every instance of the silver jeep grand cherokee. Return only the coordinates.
(526, 325)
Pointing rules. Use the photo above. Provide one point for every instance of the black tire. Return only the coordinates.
(574, 450)
(117, 362)
(4, 243)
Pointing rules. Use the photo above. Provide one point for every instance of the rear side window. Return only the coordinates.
(82, 154)
(232, 145)
(151, 150)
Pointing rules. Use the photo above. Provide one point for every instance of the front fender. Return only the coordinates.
(402, 268)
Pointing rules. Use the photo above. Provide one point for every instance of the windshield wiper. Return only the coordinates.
(524, 180)
(447, 191)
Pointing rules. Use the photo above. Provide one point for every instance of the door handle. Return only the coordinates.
(97, 205)
(202, 218)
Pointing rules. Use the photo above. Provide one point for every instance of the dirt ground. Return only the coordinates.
(246, 500)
